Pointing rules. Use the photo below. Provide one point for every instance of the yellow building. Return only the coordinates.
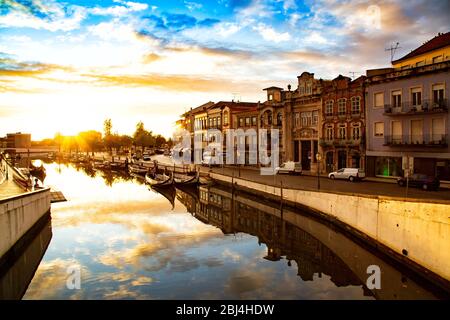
(434, 51)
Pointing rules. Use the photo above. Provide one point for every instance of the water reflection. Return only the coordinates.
(19, 270)
(132, 243)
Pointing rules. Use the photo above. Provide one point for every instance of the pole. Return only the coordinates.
(318, 174)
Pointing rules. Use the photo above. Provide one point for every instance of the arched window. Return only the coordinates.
(225, 118)
(269, 117)
(279, 119)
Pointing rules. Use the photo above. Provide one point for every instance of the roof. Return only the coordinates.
(201, 108)
(272, 88)
(440, 41)
(233, 104)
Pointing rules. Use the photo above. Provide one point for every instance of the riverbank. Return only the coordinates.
(413, 232)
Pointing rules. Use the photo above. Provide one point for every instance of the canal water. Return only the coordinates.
(130, 242)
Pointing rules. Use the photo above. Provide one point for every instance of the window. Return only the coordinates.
(279, 119)
(342, 106)
(356, 105)
(437, 59)
(315, 118)
(329, 134)
(438, 130)
(309, 88)
(261, 120)
(378, 99)
(356, 132)
(329, 108)
(304, 119)
(438, 93)
(297, 119)
(416, 131)
(241, 122)
(342, 133)
(247, 121)
(225, 118)
(269, 118)
(420, 63)
(379, 129)
(416, 97)
(396, 99)
(254, 123)
(396, 131)
(270, 97)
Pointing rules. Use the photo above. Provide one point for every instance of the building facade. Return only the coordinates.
(303, 109)
(408, 122)
(407, 114)
(343, 124)
(18, 140)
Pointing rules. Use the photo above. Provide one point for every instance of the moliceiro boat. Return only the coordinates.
(137, 170)
(159, 180)
(186, 180)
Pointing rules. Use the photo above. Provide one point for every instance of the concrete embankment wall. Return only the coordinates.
(18, 214)
(412, 230)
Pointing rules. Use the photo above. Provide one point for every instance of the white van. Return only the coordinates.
(350, 174)
(290, 168)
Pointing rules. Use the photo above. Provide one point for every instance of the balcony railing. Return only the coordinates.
(340, 142)
(424, 106)
(428, 140)
(343, 114)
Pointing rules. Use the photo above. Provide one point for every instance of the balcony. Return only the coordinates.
(426, 107)
(427, 140)
(344, 115)
(340, 142)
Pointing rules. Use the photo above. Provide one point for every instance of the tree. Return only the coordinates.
(90, 140)
(160, 141)
(107, 132)
(142, 137)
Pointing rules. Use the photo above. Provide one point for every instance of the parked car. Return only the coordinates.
(420, 181)
(290, 168)
(350, 174)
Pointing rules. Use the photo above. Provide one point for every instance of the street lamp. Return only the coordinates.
(318, 158)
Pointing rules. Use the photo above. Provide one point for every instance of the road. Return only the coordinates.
(310, 183)
(341, 186)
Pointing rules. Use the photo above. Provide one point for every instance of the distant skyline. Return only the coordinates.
(66, 66)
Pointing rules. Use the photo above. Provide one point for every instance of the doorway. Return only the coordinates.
(342, 159)
(306, 155)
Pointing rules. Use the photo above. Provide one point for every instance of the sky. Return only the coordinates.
(66, 66)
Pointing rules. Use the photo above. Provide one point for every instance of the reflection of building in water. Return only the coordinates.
(316, 248)
(17, 273)
(219, 208)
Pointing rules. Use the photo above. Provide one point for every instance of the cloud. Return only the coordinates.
(48, 15)
(125, 8)
(269, 34)
(192, 5)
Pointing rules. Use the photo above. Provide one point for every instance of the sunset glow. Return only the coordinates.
(65, 66)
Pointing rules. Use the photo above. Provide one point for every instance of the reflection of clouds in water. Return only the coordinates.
(228, 254)
(50, 280)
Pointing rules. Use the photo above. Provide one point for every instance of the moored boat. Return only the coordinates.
(137, 169)
(186, 180)
(158, 180)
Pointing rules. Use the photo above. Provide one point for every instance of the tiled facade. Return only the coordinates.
(343, 124)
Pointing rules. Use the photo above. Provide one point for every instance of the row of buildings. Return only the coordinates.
(387, 121)
(16, 140)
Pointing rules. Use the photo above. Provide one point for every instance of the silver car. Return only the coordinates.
(350, 174)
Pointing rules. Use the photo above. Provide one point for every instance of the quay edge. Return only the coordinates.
(412, 233)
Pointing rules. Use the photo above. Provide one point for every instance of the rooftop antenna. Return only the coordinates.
(353, 73)
(392, 49)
